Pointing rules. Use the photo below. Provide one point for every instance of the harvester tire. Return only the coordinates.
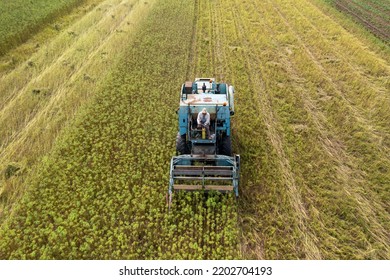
(181, 145)
(225, 147)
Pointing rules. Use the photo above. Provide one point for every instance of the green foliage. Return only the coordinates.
(101, 193)
(19, 18)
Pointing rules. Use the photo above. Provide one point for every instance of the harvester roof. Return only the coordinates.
(202, 99)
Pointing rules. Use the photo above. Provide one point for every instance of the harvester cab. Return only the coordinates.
(204, 161)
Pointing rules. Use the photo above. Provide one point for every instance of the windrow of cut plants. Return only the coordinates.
(41, 96)
(311, 126)
(100, 194)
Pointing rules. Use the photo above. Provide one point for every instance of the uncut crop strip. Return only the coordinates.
(370, 42)
(44, 121)
(192, 53)
(23, 51)
(101, 192)
(19, 20)
(372, 20)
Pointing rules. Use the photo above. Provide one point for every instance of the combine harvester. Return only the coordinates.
(204, 161)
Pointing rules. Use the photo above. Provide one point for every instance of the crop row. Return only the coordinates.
(19, 19)
(371, 14)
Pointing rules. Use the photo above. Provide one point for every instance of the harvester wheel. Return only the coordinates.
(225, 146)
(181, 145)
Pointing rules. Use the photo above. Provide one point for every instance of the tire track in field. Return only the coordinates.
(225, 31)
(212, 39)
(191, 63)
(371, 208)
(221, 68)
(204, 55)
(222, 74)
(252, 58)
(220, 60)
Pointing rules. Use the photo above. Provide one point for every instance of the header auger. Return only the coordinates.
(204, 159)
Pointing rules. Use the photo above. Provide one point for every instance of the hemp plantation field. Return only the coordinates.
(88, 128)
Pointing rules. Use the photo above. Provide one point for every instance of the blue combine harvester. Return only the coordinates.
(204, 159)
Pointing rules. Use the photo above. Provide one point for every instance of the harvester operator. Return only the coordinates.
(204, 88)
(204, 121)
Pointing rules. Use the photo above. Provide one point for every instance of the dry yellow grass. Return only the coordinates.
(40, 96)
(311, 126)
